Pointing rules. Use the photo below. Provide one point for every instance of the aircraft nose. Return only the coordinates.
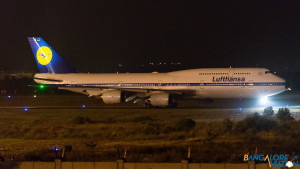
(287, 85)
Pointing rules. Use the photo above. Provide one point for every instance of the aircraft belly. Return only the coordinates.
(237, 91)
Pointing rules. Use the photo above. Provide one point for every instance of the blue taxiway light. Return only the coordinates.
(83, 106)
(9, 96)
(26, 109)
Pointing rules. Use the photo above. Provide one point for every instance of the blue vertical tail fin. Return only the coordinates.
(47, 59)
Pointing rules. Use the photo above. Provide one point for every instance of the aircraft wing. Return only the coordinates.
(100, 91)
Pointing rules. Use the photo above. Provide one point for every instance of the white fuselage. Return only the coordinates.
(197, 83)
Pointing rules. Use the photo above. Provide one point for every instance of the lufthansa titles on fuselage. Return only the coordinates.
(228, 79)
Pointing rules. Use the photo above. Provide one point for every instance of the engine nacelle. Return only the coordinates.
(114, 96)
(161, 99)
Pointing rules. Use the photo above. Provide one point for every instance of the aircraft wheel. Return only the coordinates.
(174, 104)
(147, 105)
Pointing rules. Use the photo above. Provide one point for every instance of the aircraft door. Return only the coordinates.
(251, 84)
(160, 84)
(201, 86)
(120, 83)
(230, 72)
(73, 83)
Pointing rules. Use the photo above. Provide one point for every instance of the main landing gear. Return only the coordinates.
(148, 105)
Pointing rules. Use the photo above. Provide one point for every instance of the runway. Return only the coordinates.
(43, 121)
(218, 109)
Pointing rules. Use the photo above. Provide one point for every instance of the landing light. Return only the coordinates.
(264, 100)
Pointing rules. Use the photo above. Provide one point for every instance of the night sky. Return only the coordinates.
(96, 36)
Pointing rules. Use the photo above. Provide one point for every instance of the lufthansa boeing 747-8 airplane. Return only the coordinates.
(154, 89)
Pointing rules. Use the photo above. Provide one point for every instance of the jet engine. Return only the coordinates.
(161, 99)
(113, 96)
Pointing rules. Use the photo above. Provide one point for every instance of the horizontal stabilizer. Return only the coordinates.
(49, 80)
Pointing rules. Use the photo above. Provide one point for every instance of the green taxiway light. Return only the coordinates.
(42, 86)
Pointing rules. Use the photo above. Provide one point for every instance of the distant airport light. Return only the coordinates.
(83, 106)
(56, 149)
(25, 109)
(34, 96)
(9, 96)
(289, 164)
(240, 109)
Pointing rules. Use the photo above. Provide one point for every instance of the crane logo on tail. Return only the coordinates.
(44, 55)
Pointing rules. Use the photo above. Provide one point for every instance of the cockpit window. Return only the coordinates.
(269, 71)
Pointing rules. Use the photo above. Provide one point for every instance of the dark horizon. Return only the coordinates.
(97, 36)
